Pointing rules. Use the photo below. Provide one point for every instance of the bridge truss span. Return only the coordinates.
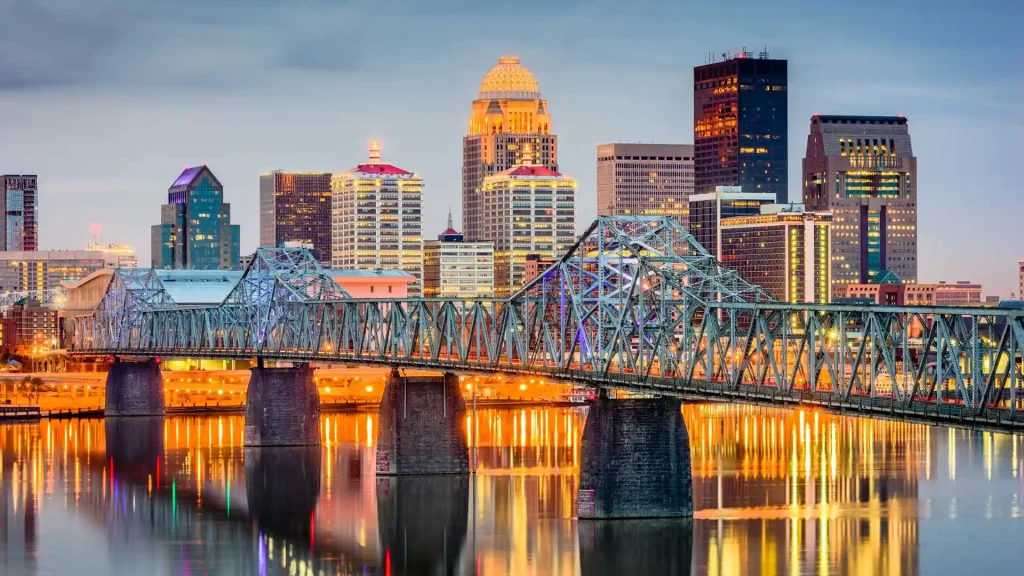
(635, 304)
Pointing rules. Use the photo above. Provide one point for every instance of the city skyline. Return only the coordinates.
(97, 136)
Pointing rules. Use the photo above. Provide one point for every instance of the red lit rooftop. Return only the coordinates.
(376, 167)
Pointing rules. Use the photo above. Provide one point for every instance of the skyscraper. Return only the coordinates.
(376, 219)
(19, 227)
(507, 114)
(1020, 288)
(530, 211)
(296, 207)
(739, 125)
(195, 230)
(863, 170)
(644, 179)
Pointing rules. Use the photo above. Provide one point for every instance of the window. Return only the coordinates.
(371, 289)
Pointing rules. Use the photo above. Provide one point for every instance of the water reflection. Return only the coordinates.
(776, 492)
(283, 485)
(423, 523)
(636, 547)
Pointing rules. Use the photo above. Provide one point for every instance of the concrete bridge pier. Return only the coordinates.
(282, 407)
(134, 389)
(420, 428)
(635, 460)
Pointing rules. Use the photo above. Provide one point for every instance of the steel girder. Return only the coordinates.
(55, 297)
(635, 304)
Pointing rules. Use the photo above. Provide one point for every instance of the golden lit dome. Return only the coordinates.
(509, 80)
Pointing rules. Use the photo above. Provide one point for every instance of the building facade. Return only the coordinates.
(508, 115)
(863, 170)
(36, 327)
(296, 207)
(44, 270)
(1020, 287)
(455, 268)
(962, 293)
(531, 210)
(784, 249)
(707, 210)
(740, 131)
(377, 219)
(195, 230)
(19, 227)
(123, 255)
(644, 180)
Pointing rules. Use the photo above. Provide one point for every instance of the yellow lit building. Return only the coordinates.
(376, 219)
(507, 116)
(530, 210)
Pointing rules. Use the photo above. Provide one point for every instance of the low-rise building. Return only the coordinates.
(454, 268)
(22, 271)
(373, 284)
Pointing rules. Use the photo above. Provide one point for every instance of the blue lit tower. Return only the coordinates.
(195, 230)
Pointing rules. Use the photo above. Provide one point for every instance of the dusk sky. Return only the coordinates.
(107, 100)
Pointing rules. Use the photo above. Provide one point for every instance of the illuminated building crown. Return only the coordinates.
(509, 80)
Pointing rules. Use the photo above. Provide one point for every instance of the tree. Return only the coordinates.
(35, 385)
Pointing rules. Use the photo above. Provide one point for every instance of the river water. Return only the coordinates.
(776, 492)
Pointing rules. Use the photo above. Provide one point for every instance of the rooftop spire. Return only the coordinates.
(450, 227)
(374, 153)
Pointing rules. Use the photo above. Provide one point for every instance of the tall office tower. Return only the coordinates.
(739, 125)
(195, 230)
(784, 250)
(296, 207)
(644, 180)
(19, 227)
(454, 268)
(531, 210)
(376, 219)
(507, 115)
(708, 210)
(863, 170)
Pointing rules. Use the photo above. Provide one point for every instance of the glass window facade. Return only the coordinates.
(740, 115)
(19, 223)
(195, 231)
(296, 207)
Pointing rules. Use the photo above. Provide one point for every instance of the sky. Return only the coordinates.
(108, 100)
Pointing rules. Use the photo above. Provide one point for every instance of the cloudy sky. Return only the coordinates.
(107, 100)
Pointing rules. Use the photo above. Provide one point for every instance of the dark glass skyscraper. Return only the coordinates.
(195, 230)
(739, 125)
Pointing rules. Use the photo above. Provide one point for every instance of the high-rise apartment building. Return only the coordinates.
(784, 249)
(454, 268)
(644, 180)
(531, 210)
(377, 222)
(708, 210)
(740, 133)
(19, 226)
(195, 230)
(296, 207)
(508, 115)
(863, 170)
(27, 271)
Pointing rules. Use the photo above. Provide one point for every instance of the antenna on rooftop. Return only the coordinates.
(764, 53)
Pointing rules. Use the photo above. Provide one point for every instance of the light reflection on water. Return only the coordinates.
(776, 492)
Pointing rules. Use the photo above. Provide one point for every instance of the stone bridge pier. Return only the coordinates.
(282, 407)
(420, 428)
(134, 389)
(635, 460)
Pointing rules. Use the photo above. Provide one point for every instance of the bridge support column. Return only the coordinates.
(134, 389)
(635, 460)
(282, 407)
(420, 428)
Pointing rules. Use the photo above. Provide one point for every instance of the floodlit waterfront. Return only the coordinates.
(776, 492)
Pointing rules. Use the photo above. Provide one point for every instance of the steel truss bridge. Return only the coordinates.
(636, 304)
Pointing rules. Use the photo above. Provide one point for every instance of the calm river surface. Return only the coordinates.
(776, 492)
